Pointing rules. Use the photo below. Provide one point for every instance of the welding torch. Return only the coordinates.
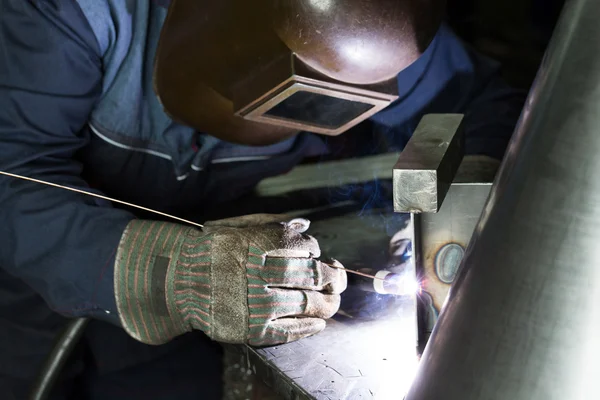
(383, 281)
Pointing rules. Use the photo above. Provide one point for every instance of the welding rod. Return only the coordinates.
(355, 272)
(141, 208)
(100, 197)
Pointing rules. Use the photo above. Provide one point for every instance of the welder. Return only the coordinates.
(184, 106)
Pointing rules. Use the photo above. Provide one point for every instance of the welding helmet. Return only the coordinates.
(258, 71)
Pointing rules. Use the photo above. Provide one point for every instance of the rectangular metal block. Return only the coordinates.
(427, 165)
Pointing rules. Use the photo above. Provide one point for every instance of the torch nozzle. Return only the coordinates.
(396, 284)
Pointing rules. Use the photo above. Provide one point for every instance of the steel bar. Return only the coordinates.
(427, 165)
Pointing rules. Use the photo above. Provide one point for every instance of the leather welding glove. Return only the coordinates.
(251, 279)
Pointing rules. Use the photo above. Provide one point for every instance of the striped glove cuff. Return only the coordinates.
(162, 280)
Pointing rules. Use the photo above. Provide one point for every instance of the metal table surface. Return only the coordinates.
(368, 352)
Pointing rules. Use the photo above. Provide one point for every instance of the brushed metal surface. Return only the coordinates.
(443, 238)
(523, 320)
(427, 165)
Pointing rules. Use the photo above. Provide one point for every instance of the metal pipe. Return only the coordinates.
(523, 318)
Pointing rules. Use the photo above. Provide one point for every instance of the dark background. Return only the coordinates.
(514, 32)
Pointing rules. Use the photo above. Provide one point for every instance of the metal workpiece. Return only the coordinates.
(443, 239)
(522, 320)
(428, 164)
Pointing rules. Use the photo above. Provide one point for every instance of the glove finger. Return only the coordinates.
(335, 277)
(302, 273)
(300, 225)
(268, 304)
(265, 304)
(320, 305)
(296, 245)
(248, 220)
(285, 330)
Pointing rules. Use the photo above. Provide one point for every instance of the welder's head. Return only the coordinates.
(258, 71)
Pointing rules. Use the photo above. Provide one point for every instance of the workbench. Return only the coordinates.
(369, 350)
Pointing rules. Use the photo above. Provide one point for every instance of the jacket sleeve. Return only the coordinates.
(451, 77)
(60, 243)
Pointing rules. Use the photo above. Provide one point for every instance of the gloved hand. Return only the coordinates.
(251, 279)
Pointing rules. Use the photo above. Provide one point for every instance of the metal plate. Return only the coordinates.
(443, 239)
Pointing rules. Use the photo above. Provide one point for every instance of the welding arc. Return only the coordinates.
(356, 272)
(99, 196)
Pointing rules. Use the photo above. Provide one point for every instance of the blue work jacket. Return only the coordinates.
(77, 108)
